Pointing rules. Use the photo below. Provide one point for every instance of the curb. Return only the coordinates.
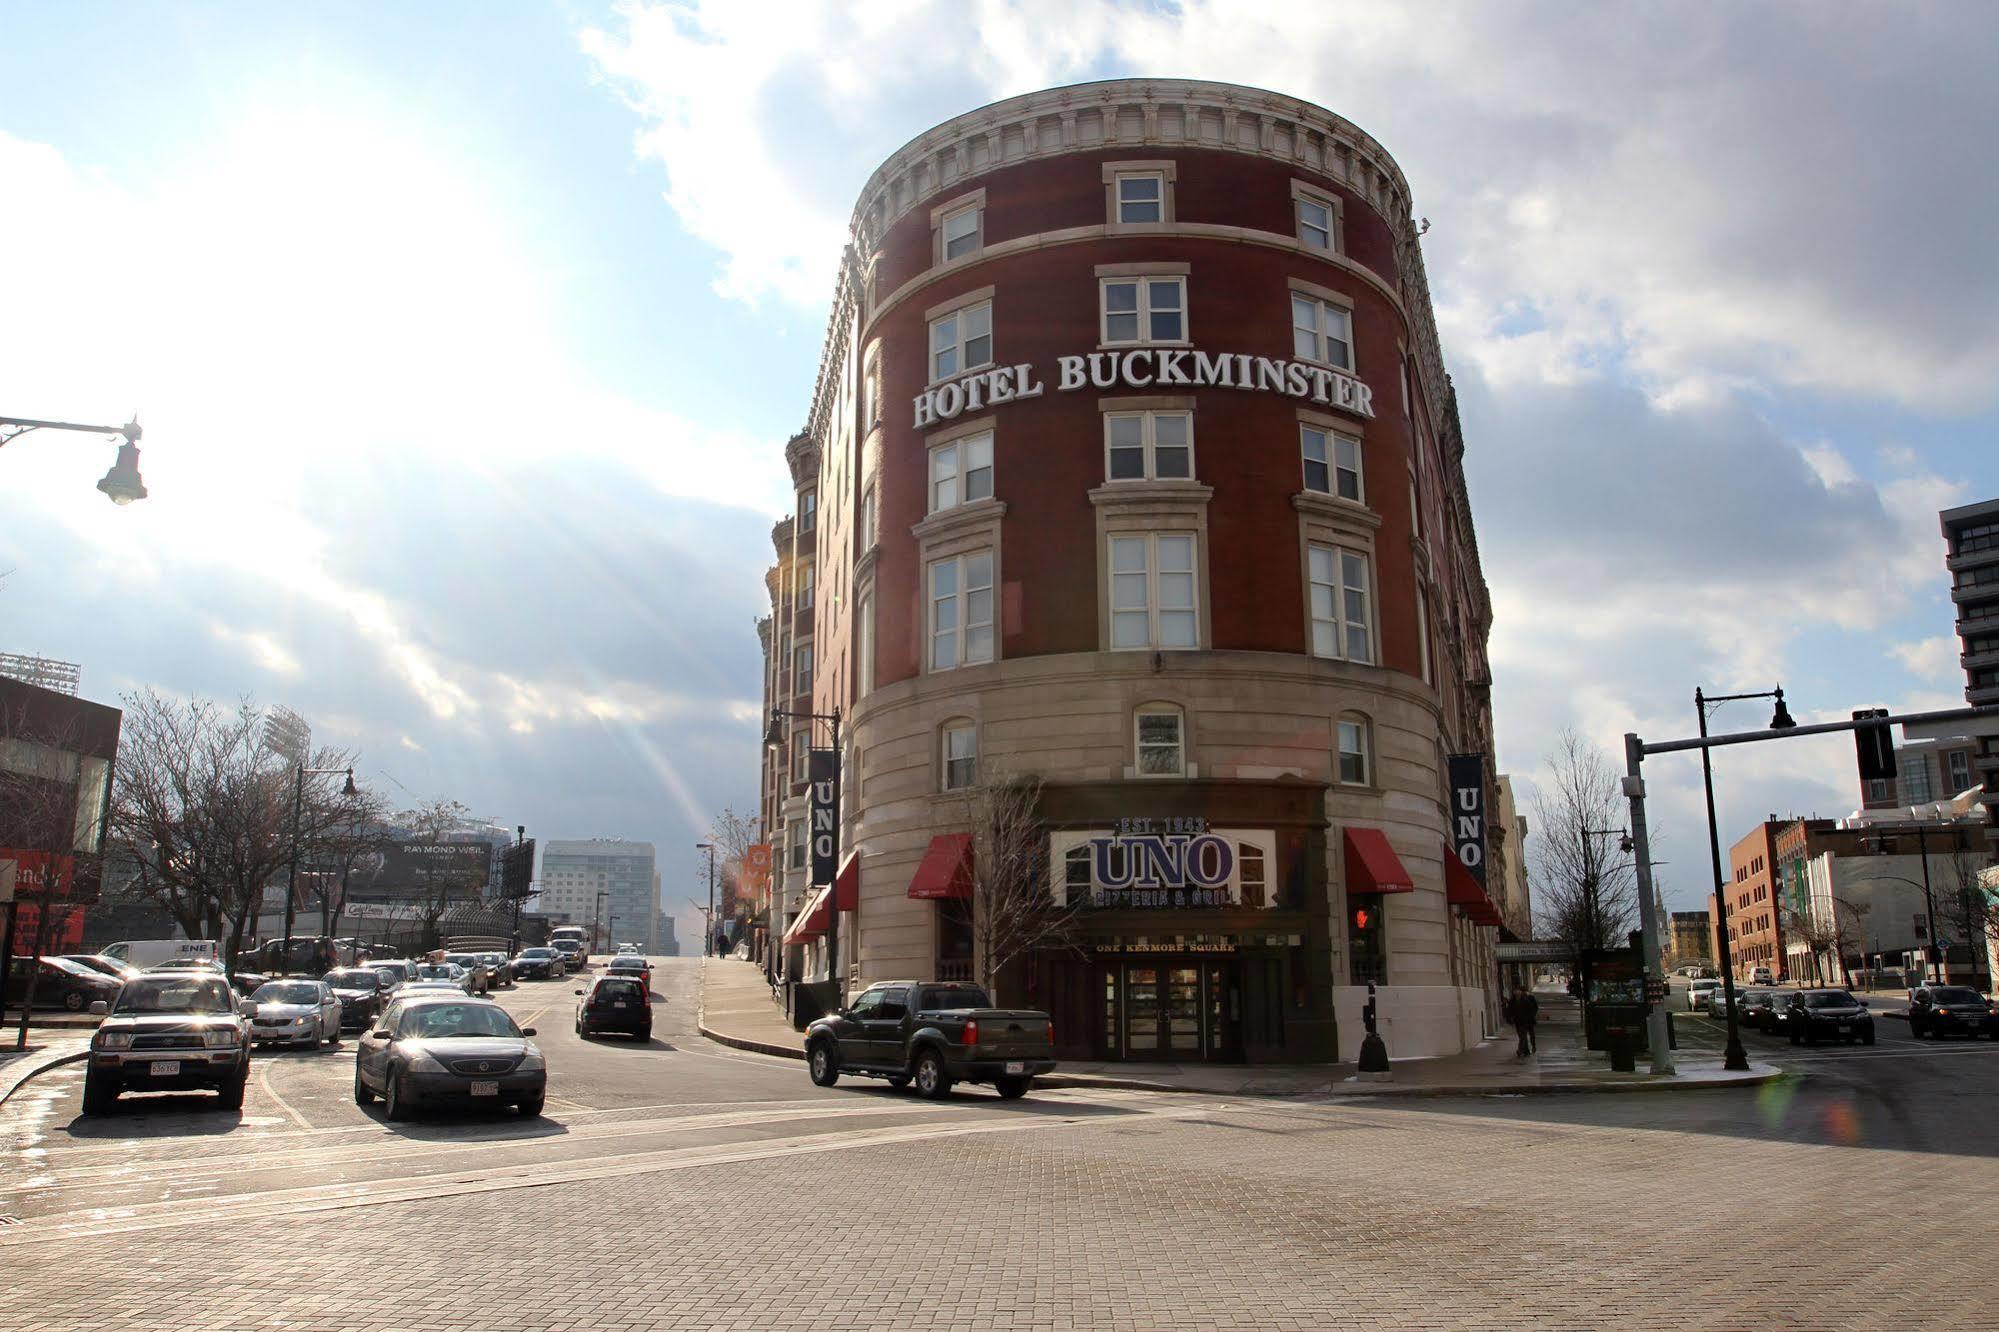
(1355, 1091)
(745, 1043)
(11, 1082)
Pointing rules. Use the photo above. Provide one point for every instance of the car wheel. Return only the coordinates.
(645, 1034)
(73, 1001)
(394, 1104)
(820, 1063)
(1796, 1039)
(100, 1094)
(931, 1081)
(531, 1107)
(1867, 1037)
(1010, 1089)
(232, 1095)
(362, 1096)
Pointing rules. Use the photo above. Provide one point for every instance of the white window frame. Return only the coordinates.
(1423, 631)
(1143, 310)
(801, 666)
(801, 754)
(804, 592)
(1323, 313)
(1363, 732)
(977, 234)
(1329, 230)
(871, 392)
(963, 474)
(864, 644)
(808, 511)
(1153, 576)
(870, 519)
(1178, 746)
(1148, 444)
(1340, 621)
(965, 621)
(1118, 201)
(1334, 445)
(794, 844)
(958, 743)
(960, 346)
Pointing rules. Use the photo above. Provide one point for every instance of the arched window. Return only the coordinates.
(1159, 733)
(1356, 750)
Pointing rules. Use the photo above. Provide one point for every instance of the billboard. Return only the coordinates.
(405, 869)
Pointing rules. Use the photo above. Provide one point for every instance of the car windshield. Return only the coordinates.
(1706, 984)
(437, 1021)
(353, 979)
(286, 992)
(175, 994)
(1831, 999)
(1956, 994)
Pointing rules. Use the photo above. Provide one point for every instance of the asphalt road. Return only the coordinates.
(677, 1183)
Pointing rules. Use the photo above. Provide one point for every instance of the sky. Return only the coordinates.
(466, 338)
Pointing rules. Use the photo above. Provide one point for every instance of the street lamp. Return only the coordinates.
(122, 483)
(291, 879)
(708, 921)
(1734, 1057)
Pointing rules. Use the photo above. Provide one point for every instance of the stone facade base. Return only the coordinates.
(1416, 1021)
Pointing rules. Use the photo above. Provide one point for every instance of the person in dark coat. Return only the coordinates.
(1522, 1010)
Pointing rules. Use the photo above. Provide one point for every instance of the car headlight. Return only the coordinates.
(532, 1063)
(114, 1040)
(219, 1036)
(423, 1063)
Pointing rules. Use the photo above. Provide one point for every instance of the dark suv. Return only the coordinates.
(614, 1003)
(1945, 1010)
(1833, 1014)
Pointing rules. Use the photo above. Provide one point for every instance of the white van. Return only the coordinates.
(144, 953)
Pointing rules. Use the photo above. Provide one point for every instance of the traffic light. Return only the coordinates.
(1874, 746)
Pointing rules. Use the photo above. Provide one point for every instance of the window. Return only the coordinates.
(1332, 462)
(1315, 222)
(1339, 604)
(801, 749)
(871, 395)
(961, 756)
(961, 232)
(1960, 770)
(1423, 631)
(804, 587)
(1152, 592)
(1356, 764)
(1144, 309)
(961, 340)
(1321, 331)
(808, 510)
(801, 664)
(870, 520)
(864, 646)
(1161, 744)
(961, 611)
(961, 471)
(1149, 446)
(1141, 197)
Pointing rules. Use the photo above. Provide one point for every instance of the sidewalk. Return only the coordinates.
(736, 1010)
(18, 1066)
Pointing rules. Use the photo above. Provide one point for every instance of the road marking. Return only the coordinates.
(264, 1081)
(92, 1222)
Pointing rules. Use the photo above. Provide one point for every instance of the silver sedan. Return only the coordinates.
(294, 1012)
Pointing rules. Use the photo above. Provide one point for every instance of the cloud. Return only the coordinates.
(1929, 659)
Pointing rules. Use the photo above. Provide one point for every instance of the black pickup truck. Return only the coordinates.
(932, 1033)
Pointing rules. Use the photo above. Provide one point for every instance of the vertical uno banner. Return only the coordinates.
(824, 771)
(1467, 774)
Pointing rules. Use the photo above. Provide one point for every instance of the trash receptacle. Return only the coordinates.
(1623, 1045)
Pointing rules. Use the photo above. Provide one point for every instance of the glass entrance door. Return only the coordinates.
(1177, 1012)
(1141, 1012)
(1183, 1012)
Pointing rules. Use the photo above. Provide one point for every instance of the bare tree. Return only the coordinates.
(1585, 891)
(449, 881)
(1820, 935)
(733, 835)
(339, 847)
(1014, 910)
(1966, 909)
(1845, 933)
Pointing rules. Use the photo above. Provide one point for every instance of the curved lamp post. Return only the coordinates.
(122, 484)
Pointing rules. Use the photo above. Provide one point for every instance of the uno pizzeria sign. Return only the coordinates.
(1148, 368)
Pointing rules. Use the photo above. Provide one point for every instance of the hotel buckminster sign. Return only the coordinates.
(1145, 368)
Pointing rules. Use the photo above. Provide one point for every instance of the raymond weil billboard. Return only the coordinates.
(402, 870)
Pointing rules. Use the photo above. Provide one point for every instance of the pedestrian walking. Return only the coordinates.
(1522, 1010)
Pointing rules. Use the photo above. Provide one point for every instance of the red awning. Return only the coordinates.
(1462, 889)
(1372, 865)
(812, 920)
(946, 871)
(847, 883)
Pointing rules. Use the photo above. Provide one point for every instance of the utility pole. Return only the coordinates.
(708, 918)
(1657, 1033)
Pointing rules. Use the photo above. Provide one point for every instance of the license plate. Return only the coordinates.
(617, 1003)
(1846, 1026)
(163, 1068)
(1016, 1066)
(485, 1089)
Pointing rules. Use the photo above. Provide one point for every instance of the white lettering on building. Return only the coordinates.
(1145, 368)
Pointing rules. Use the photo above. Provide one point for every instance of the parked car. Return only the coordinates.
(1945, 1010)
(933, 1034)
(445, 971)
(498, 965)
(295, 1012)
(1758, 1009)
(540, 964)
(60, 983)
(171, 1031)
(614, 1002)
(478, 976)
(1717, 1002)
(360, 992)
(1834, 1014)
(107, 966)
(1698, 992)
(449, 1049)
(631, 964)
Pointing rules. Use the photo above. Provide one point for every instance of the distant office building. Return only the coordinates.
(574, 873)
(44, 672)
(665, 943)
(1691, 937)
